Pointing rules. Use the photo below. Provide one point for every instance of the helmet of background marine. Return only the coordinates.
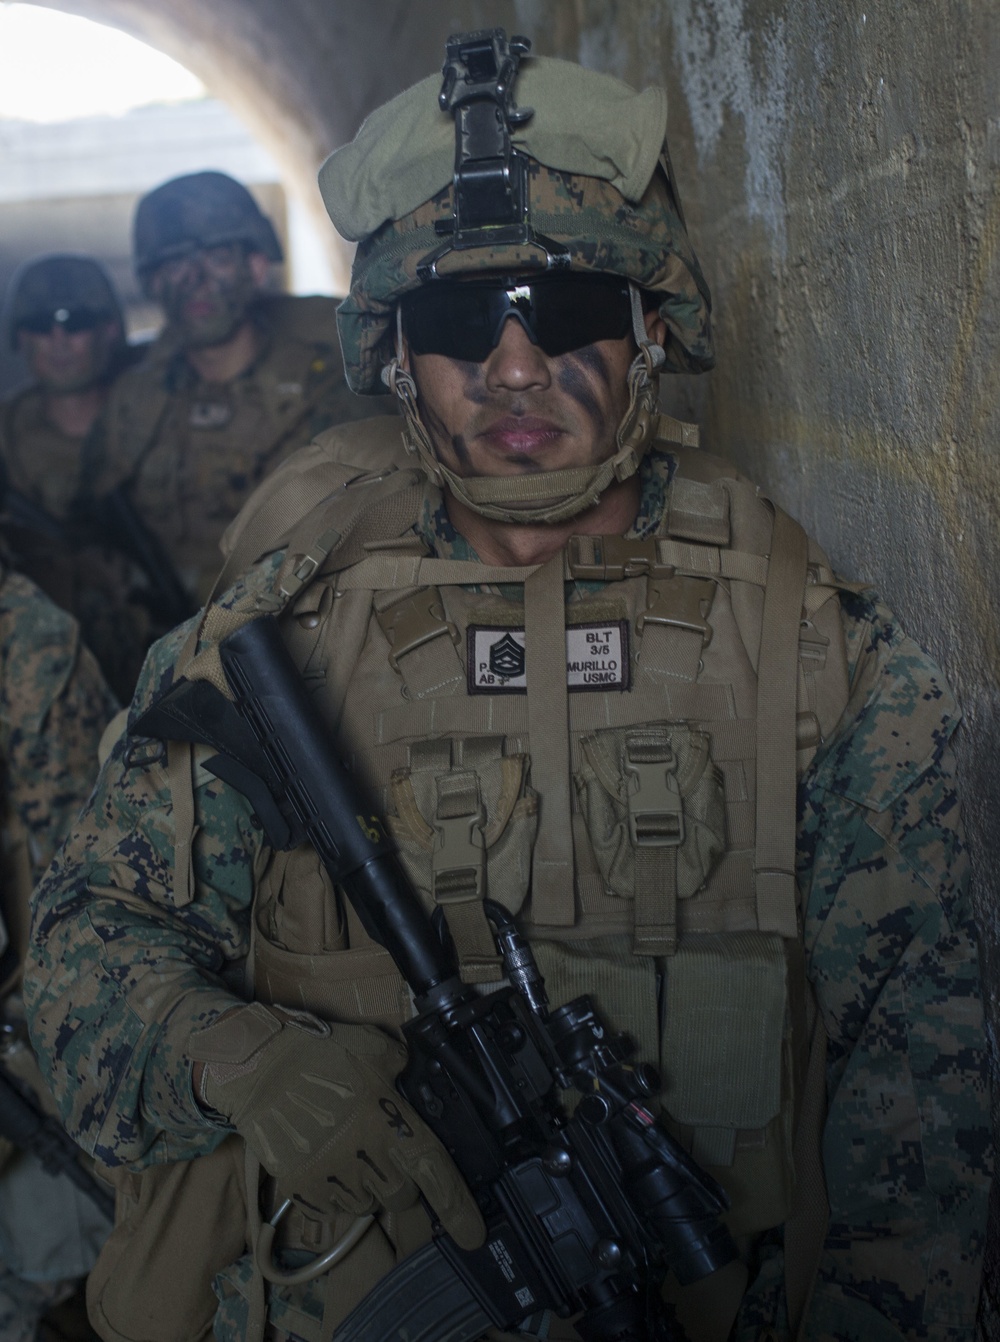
(61, 288)
(599, 199)
(201, 209)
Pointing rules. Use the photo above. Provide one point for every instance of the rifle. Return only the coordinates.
(584, 1212)
(28, 1127)
(111, 521)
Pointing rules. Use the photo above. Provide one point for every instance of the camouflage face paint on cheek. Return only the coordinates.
(473, 381)
(573, 380)
(461, 451)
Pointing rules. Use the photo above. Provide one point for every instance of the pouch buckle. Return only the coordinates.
(458, 862)
(306, 568)
(681, 601)
(655, 805)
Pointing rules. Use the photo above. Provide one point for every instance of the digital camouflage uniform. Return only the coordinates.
(140, 957)
(192, 453)
(53, 708)
(890, 946)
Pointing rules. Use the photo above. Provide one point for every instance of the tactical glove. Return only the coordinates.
(316, 1105)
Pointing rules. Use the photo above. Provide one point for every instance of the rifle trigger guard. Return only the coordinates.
(268, 1268)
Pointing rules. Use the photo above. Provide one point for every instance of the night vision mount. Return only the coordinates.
(491, 176)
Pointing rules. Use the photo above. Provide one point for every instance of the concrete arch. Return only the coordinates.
(299, 73)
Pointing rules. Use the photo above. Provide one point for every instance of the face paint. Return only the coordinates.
(582, 370)
(521, 410)
(206, 293)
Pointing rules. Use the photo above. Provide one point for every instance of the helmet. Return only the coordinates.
(592, 193)
(64, 288)
(202, 209)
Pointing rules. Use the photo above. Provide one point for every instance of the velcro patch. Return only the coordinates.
(597, 658)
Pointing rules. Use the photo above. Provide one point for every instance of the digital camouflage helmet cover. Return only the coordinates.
(574, 176)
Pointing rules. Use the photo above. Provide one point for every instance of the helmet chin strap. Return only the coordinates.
(550, 496)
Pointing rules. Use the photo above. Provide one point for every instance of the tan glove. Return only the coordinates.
(317, 1106)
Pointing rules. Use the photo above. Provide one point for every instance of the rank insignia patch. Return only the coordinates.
(597, 658)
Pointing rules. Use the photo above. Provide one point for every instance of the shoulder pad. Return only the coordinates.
(374, 444)
(704, 467)
(334, 459)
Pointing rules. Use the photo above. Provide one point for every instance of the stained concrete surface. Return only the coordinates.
(839, 168)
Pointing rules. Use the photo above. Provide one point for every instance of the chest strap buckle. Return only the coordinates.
(413, 621)
(681, 601)
(611, 558)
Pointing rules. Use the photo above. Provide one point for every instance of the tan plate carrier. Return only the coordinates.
(645, 837)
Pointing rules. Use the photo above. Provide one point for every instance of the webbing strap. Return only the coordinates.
(383, 572)
(257, 1313)
(777, 686)
(677, 431)
(655, 930)
(266, 528)
(180, 760)
(384, 518)
(548, 726)
(607, 558)
(805, 1229)
(711, 562)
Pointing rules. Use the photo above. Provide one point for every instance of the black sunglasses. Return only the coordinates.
(464, 319)
(70, 320)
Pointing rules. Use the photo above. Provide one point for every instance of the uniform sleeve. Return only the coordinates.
(891, 950)
(121, 975)
(54, 706)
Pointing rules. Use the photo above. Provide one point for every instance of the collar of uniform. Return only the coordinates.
(655, 474)
(178, 374)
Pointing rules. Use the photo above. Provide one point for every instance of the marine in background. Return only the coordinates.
(63, 316)
(54, 705)
(240, 377)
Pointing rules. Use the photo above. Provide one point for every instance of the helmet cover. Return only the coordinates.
(63, 282)
(201, 209)
(599, 189)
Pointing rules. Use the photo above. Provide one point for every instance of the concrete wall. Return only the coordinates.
(838, 164)
(839, 167)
